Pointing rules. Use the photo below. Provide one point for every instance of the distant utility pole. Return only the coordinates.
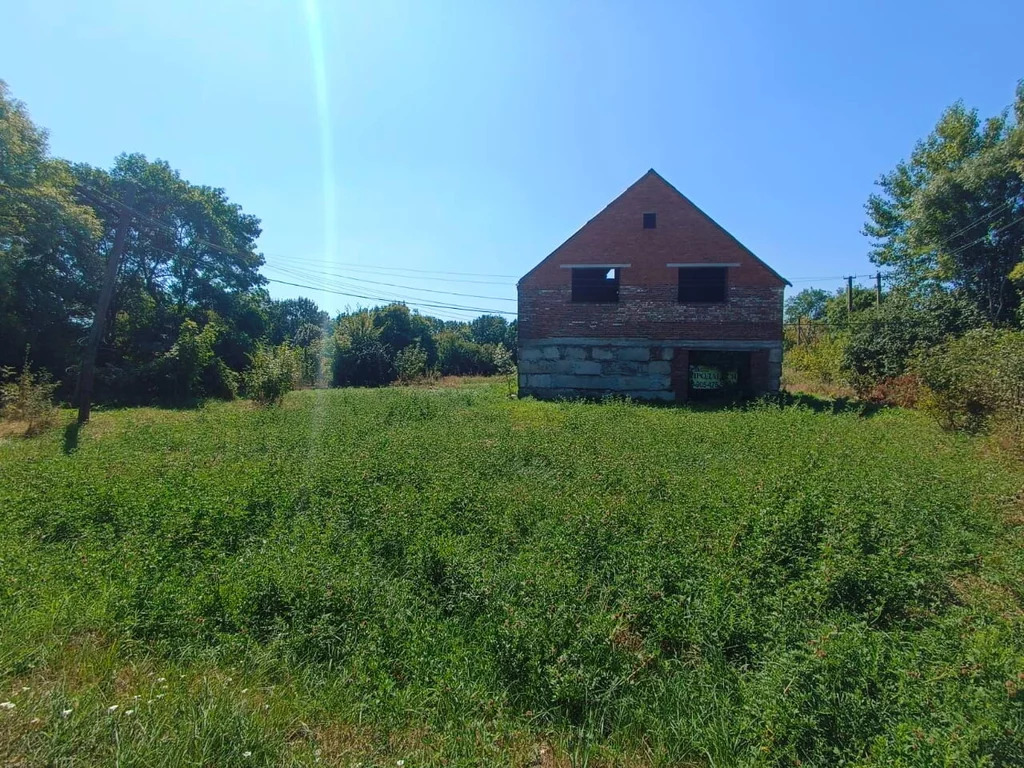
(849, 294)
(878, 289)
(87, 374)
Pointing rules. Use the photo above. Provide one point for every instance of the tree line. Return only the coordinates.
(947, 227)
(191, 313)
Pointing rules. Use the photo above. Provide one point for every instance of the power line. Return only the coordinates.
(308, 273)
(168, 227)
(985, 236)
(402, 269)
(358, 291)
(414, 301)
(980, 219)
(378, 271)
(454, 307)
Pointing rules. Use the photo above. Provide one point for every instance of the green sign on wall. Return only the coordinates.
(705, 377)
(711, 377)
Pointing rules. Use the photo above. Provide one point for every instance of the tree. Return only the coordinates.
(808, 304)
(488, 329)
(837, 308)
(885, 339)
(190, 252)
(952, 216)
(48, 258)
(286, 316)
(360, 358)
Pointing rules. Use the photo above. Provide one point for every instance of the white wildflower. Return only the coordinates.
(25, 688)
(161, 679)
(112, 709)
(245, 690)
(35, 721)
(400, 763)
(7, 705)
(129, 712)
(66, 712)
(247, 753)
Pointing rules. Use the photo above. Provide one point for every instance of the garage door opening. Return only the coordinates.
(718, 375)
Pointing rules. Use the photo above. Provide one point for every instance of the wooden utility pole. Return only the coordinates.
(799, 330)
(849, 294)
(87, 374)
(878, 289)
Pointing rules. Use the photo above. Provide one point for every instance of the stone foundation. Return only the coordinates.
(638, 368)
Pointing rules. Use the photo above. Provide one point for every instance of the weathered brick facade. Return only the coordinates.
(640, 344)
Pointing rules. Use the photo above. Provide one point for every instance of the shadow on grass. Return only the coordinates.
(818, 404)
(71, 438)
(783, 399)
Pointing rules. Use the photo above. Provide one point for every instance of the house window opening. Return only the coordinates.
(595, 285)
(702, 285)
(650, 220)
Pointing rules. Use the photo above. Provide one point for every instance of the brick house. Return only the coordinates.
(650, 299)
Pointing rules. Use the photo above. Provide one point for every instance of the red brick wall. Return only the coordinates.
(648, 306)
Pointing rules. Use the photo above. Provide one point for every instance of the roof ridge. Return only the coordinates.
(704, 213)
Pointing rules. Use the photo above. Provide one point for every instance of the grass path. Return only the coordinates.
(448, 577)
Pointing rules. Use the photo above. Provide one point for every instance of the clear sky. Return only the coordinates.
(474, 137)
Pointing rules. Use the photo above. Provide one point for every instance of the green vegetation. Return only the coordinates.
(947, 227)
(190, 310)
(447, 576)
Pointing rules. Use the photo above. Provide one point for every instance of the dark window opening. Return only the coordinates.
(595, 284)
(702, 285)
(650, 220)
(715, 375)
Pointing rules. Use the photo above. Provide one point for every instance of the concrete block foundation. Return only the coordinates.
(638, 368)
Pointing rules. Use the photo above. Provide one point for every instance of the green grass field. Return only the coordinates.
(450, 577)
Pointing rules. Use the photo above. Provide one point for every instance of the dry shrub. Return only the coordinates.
(27, 397)
(902, 391)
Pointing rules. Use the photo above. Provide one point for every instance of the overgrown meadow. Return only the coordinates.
(449, 577)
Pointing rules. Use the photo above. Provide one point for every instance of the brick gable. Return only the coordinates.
(648, 306)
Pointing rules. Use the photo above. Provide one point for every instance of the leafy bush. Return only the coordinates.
(309, 341)
(976, 381)
(411, 363)
(190, 369)
(28, 397)
(506, 367)
(884, 339)
(360, 358)
(458, 356)
(822, 357)
(274, 372)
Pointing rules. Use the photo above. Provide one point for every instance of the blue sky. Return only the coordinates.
(474, 137)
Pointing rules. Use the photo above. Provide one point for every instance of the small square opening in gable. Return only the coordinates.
(650, 220)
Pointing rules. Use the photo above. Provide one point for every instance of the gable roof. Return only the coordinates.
(653, 173)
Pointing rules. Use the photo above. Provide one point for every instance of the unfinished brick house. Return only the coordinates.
(650, 299)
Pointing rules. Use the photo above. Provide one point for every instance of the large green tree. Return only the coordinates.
(808, 304)
(190, 257)
(951, 217)
(48, 257)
